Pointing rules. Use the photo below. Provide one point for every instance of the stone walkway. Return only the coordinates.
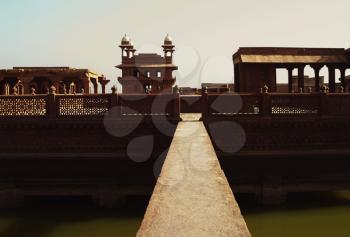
(192, 196)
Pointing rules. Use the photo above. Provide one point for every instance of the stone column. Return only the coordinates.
(342, 78)
(331, 71)
(94, 82)
(290, 79)
(301, 77)
(317, 78)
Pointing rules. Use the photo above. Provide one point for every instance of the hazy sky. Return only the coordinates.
(86, 33)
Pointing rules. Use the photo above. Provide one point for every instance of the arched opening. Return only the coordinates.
(72, 88)
(282, 80)
(347, 78)
(11, 82)
(309, 79)
(41, 84)
(338, 80)
(20, 89)
(324, 76)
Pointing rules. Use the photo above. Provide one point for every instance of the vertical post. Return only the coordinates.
(114, 97)
(323, 101)
(115, 103)
(317, 78)
(205, 103)
(290, 79)
(301, 78)
(342, 78)
(265, 102)
(331, 71)
(51, 108)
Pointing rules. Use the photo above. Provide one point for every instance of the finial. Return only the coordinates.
(310, 89)
(114, 90)
(32, 90)
(341, 89)
(266, 89)
(15, 90)
(301, 90)
(176, 89)
(53, 90)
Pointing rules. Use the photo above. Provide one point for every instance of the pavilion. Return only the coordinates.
(256, 67)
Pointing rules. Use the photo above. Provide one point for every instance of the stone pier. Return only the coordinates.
(192, 196)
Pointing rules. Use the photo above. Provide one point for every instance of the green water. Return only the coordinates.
(319, 214)
(303, 215)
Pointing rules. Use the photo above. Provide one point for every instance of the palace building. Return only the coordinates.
(256, 67)
(38, 80)
(147, 73)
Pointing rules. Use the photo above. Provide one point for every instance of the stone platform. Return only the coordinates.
(192, 196)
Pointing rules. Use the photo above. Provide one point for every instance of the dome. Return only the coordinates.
(125, 40)
(168, 39)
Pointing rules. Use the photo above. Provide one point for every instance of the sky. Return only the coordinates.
(86, 33)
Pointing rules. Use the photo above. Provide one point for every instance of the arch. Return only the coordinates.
(20, 89)
(347, 78)
(324, 76)
(337, 75)
(11, 82)
(309, 79)
(337, 80)
(72, 88)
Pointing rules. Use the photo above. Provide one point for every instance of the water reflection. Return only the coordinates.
(71, 217)
(304, 214)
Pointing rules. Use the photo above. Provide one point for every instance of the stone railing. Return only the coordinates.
(69, 106)
(276, 104)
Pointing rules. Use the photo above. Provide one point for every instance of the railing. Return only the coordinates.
(17, 106)
(276, 104)
(211, 105)
(295, 103)
(70, 106)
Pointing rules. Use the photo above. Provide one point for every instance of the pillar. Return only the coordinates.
(301, 77)
(94, 82)
(290, 79)
(331, 71)
(317, 78)
(342, 78)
